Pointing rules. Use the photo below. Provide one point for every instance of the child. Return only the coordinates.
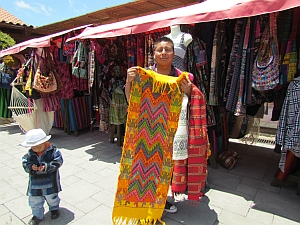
(42, 163)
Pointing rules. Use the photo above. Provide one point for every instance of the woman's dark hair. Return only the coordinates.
(165, 39)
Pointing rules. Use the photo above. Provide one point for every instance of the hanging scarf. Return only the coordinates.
(217, 64)
(234, 71)
(146, 165)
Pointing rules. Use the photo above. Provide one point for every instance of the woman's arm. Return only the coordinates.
(131, 74)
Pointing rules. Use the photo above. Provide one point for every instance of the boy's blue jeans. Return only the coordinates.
(37, 204)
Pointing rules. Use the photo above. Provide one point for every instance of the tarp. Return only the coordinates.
(210, 10)
(36, 42)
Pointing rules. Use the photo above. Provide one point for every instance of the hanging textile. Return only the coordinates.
(198, 66)
(234, 69)
(149, 45)
(284, 25)
(131, 50)
(104, 103)
(140, 44)
(118, 107)
(100, 51)
(91, 69)
(4, 103)
(217, 63)
(288, 130)
(288, 68)
(146, 164)
(63, 72)
(240, 108)
(247, 97)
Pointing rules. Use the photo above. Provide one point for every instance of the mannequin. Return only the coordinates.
(181, 41)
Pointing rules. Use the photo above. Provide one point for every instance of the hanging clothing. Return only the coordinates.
(198, 66)
(149, 47)
(288, 68)
(4, 103)
(240, 108)
(118, 107)
(104, 103)
(131, 50)
(140, 44)
(63, 71)
(217, 64)
(180, 51)
(234, 69)
(288, 129)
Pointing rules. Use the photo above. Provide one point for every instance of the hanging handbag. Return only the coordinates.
(46, 80)
(44, 83)
(265, 72)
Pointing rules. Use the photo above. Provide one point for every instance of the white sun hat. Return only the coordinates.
(35, 137)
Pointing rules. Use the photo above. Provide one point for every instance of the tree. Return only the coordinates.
(6, 41)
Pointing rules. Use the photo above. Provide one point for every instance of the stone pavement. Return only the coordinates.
(89, 177)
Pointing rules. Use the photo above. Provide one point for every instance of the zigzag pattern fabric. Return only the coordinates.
(146, 165)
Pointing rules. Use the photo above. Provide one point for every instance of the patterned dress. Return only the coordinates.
(180, 144)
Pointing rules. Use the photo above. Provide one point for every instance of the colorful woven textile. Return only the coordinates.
(146, 164)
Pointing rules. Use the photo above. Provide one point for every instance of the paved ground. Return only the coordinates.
(89, 176)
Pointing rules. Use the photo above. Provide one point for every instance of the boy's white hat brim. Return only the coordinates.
(35, 143)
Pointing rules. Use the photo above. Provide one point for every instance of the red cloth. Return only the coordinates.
(198, 146)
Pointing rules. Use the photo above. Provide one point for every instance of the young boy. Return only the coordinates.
(42, 162)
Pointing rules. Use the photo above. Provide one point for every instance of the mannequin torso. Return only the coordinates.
(181, 41)
(176, 35)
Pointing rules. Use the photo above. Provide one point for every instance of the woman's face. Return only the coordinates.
(164, 54)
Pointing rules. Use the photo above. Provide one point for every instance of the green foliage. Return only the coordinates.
(6, 41)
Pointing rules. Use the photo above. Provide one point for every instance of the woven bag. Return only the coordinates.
(265, 71)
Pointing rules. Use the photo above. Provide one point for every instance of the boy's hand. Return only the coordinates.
(41, 168)
(38, 168)
(34, 167)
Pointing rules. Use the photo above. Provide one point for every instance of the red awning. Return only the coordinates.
(36, 42)
(210, 10)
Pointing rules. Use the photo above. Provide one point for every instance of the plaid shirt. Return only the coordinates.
(288, 129)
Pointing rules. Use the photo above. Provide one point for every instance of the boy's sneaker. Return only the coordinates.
(170, 208)
(34, 221)
(54, 214)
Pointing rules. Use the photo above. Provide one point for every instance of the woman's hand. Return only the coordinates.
(131, 74)
(186, 86)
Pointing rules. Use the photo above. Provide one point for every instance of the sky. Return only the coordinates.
(43, 12)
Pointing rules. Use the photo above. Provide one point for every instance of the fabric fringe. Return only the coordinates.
(162, 82)
(135, 221)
